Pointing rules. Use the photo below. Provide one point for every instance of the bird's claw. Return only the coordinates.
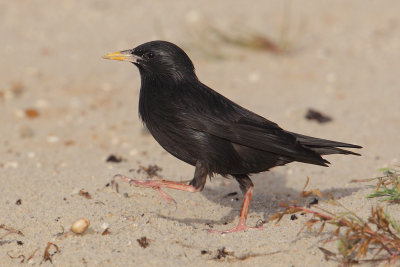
(133, 182)
(165, 196)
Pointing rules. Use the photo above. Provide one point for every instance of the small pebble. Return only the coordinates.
(11, 164)
(133, 152)
(105, 225)
(314, 201)
(80, 226)
(19, 114)
(31, 113)
(42, 103)
(114, 159)
(52, 139)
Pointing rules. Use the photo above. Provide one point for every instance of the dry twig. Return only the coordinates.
(47, 256)
(380, 233)
(9, 230)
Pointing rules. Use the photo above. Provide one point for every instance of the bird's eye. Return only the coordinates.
(149, 55)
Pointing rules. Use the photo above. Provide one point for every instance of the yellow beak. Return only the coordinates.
(125, 55)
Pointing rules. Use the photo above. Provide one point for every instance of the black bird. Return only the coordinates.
(205, 129)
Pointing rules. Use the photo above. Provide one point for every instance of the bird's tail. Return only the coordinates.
(325, 147)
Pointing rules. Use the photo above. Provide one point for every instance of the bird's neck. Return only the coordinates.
(159, 91)
(154, 92)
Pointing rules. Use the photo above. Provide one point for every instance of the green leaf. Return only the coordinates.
(393, 222)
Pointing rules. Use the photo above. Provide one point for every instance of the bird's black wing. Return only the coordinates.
(216, 115)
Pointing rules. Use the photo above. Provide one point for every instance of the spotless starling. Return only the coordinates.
(207, 130)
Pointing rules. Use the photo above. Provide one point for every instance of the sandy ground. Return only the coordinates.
(64, 110)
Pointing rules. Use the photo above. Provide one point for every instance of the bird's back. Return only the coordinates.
(195, 123)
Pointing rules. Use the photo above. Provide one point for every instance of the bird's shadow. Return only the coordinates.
(270, 190)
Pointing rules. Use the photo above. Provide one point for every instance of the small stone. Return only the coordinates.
(314, 201)
(19, 114)
(133, 152)
(114, 159)
(52, 139)
(11, 164)
(42, 103)
(31, 113)
(105, 225)
(80, 226)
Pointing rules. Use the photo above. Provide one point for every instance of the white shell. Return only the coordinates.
(80, 226)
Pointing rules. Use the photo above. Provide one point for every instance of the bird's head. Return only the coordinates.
(158, 59)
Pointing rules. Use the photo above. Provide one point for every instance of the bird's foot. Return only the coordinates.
(165, 196)
(156, 185)
(243, 216)
(238, 228)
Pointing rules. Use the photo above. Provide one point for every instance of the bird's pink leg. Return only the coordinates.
(243, 216)
(157, 185)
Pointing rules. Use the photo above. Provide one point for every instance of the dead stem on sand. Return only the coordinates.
(9, 230)
(47, 256)
(387, 187)
(379, 234)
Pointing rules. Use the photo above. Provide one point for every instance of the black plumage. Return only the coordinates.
(205, 129)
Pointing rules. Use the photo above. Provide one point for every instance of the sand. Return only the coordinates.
(64, 111)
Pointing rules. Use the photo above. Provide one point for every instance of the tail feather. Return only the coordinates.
(332, 150)
(325, 147)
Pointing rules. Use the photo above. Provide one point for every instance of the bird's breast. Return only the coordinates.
(161, 118)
